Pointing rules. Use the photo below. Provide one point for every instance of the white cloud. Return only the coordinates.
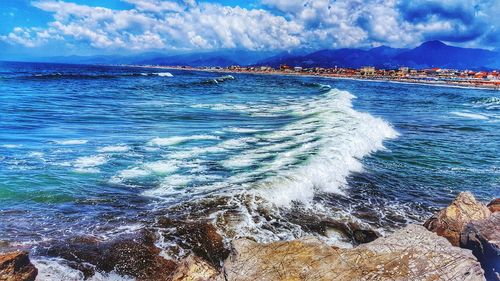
(344, 23)
(156, 6)
(29, 37)
(186, 24)
(154, 24)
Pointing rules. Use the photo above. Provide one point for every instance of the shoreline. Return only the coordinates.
(437, 83)
(456, 242)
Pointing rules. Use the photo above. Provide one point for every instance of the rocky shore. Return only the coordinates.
(461, 242)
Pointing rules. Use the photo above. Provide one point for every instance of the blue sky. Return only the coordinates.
(87, 27)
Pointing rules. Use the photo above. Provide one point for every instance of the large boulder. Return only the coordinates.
(450, 221)
(483, 238)
(16, 266)
(494, 205)
(412, 253)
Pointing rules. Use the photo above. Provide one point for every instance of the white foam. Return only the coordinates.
(133, 173)
(196, 151)
(56, 270)
(90, 161)
(470, 115)
(89, 164)
(72, 142)
(180, 139)
(170, 185)
(164, 74)
(177, 180)
(11, 145)
(114, 148)
(237, 143)
(243, 130)
(162, 167)
(244, 160)
(87, 170)
(36, 154)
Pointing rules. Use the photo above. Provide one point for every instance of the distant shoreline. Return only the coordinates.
(439, 83)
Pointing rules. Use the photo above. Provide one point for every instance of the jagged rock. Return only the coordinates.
(201, 238)
(483, 238)
(194, 269)
(135, 256)
(16, 266)
(450, 221)
(412, 253)
(494, 205)
(350, 230)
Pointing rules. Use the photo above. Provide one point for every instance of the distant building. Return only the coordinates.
(297, 69)
(285, 67)
(404, 69)
(367, 71)
(481, 75)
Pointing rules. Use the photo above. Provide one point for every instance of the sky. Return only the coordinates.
(89, 27)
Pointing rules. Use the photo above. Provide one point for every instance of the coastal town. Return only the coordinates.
(437, 76)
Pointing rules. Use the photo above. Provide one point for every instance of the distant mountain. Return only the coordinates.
(99, 59)
(379, 57)
(217, 58)
(438, 54)
(429, 54)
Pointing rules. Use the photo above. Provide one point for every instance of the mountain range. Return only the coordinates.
(427, 55)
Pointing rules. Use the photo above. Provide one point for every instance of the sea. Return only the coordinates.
(108, 150)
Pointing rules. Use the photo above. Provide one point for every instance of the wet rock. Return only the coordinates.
(494, 205)
(16, 266)
(450, 221)
(412, 253)
(201, 238)
(353, 232)
(204, 240)
(483, 238)
(135, 256)
(194, 269)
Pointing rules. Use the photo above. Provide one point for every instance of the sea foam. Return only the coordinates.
(114, 148)
(71, 142)
(180, 139)
(89, 164)
(57, 269)
(470, 115)
(164, 74)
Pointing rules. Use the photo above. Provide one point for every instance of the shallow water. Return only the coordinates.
(105, 150)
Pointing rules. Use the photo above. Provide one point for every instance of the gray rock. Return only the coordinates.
(483, 238)
(412, 253)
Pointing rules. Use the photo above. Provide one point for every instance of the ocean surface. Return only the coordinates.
(101, 151)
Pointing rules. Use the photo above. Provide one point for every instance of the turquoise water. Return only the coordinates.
(104, 150)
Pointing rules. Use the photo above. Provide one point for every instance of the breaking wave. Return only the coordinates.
(219, 80)
(470, 115)
(314, 154)
(489, 103)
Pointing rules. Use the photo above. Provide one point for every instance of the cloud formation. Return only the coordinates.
(277, 24)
